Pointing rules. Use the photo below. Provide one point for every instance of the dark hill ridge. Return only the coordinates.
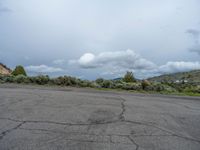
(190, 77)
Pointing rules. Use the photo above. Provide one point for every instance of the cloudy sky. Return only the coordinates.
(100, 38)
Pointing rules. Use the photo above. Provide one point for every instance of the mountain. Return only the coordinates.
(4, 70)
(190, 77)
(117, 79)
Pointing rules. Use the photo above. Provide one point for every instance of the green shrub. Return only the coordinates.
(132, 86)
(180, 87)
(85, 83)
(2, 78)
(61, 81)
(107, 84)
(157, 87)
(6, 78)
(99, 81)
(41, 79)
(129, 77)
(9, 79)
(95, 85)
(72, 80)
(145, 84)
(192, 89)
(20, 79)
(65, 81)
(197, 89)
(118, 85)
(19, 70)
(56, 81)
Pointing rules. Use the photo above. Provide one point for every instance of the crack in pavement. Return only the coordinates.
(109, 136)
(87, 134)
(170, 133)
(4, 133)
(121, 118)
(61, 123)
(131, 139)
(121, 115)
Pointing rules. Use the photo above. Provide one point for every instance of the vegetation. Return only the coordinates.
(19, 70)
(191, 77)
(129, 77)
(167, 85)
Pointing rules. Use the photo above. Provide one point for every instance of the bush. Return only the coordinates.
(9, 79)
(119, 85)
(20, 79)
(56, 81)
(85, 83)
(169, 89)
(159, 87)
(107, 84)
(145, 84)
(132, 86)
(72, 80)
(62, 81)
(192, 89)
(129, 77)
(65, 81)
(19, 70)
(6, 78)
(41, 80)
(163, 87)
(95, 85)
(99, 81)
(181, 87)
(196, 89)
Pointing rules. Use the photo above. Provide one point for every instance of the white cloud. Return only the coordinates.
(117, 63)
(87, 61)
(172, 67)
(119, 59)
(43, 69)
(59, 61)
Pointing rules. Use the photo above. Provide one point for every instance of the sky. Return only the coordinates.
(100, 38)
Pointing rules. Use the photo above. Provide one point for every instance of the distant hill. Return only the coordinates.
(190, 77)
(117, 79)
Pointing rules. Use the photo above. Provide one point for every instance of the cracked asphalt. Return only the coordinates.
(47, 118)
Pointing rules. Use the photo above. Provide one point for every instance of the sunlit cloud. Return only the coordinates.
(43, 69)
(123, 59)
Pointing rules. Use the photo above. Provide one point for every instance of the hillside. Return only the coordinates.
(191, 77)
(4, 70)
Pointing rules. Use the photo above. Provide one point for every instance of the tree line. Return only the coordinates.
(128, 82)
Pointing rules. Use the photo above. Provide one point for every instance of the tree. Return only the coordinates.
(129, 77)
(19, 70)
(99, 80)
(145, 83)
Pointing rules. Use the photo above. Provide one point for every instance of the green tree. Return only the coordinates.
(99, 80)
(145, 83)
(129, 77)
(19, 70)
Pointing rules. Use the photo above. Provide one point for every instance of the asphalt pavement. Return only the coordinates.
(43, 118)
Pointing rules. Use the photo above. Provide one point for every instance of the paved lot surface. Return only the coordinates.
(33, 118)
